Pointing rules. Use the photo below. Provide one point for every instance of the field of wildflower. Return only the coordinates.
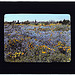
(37, 43)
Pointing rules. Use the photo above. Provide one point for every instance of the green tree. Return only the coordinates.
(65, 22)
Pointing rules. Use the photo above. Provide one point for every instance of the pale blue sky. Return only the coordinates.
(38, 17)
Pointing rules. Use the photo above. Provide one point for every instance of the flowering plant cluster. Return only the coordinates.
(31, 43)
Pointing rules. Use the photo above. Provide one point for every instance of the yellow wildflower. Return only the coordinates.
(12, 56)
(5, 46)
(59, 42)
(49, 48)
(29, 49)
(13, 44)
(49, 40)
(36, 45)
(64, 49)
(15, 52)
(69, 58)
(60, 47)
(60, 32)
(9, 40)
(15, 56)
(39, 33)
(14, 41)
(51, 34)
(16, 31)
(17, 40)
(53, 49)
(54, 46)
(68, 46)
(7, 54)
(19, 52)
(46, 46)
(43, 52)
(22, 53)
(35, 39)
(9, 34)
(68, 49)
(25, 48)
(37, 53)
(21, 38)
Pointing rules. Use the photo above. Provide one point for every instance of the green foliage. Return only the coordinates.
(65, 22)
(26, 22)
(62, 27)
(56, 56)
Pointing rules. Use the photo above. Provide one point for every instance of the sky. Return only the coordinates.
(36, 74)
(37, 17)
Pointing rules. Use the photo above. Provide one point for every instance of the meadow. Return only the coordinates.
(37, 43)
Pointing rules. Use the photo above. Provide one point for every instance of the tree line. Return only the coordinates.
(64, 22)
